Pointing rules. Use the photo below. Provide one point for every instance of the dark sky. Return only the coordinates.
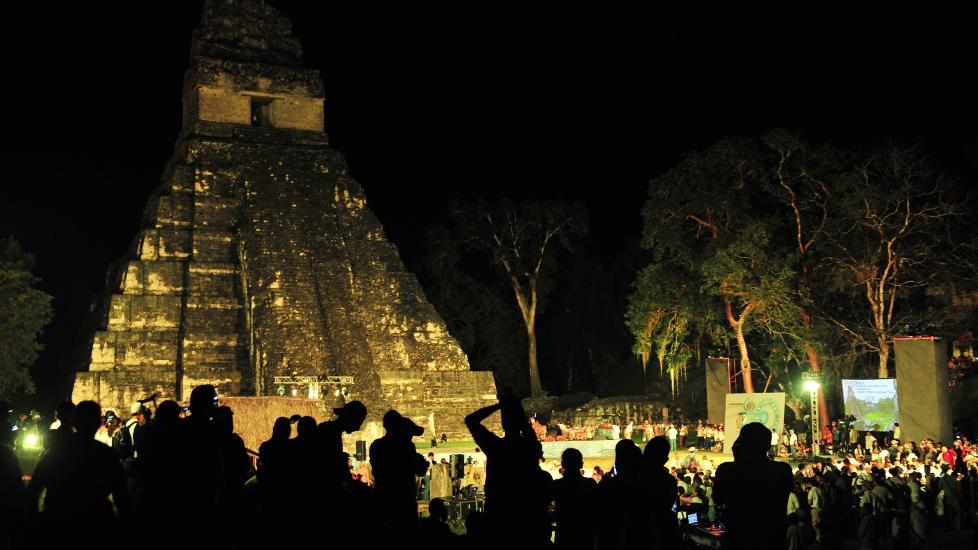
(431, 103)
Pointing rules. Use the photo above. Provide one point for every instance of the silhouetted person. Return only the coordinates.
(434, 528)
(273, 460)
(79, 475)
(161, 445)
(477, 535)
(11, 486)
(751, 493)
(235, 470)
(61, 435)
(659, 488)
(794, 535)
(574, 504)
(329, 441)
(948, 482)
(868, 532)
(396, 464)
(200, 463)
(6, 431)
(235, 464)
(340, 500)
(514, 489)
(620, 497)
(122, 439)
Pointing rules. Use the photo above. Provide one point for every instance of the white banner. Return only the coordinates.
(744, 408)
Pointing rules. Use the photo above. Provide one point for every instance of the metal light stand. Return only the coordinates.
(812, 383)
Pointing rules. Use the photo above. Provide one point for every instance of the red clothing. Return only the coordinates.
(949, 457)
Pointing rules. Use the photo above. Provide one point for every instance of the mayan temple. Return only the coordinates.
(258, 256)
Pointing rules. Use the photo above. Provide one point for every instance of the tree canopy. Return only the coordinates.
(806, 253)
(24, 312)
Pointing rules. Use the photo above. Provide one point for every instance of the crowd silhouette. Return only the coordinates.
(185, 479)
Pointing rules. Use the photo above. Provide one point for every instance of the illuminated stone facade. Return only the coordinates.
(259, 257)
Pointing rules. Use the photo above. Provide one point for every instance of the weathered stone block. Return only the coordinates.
(161, 243)
(153, 312)
(214, 247)
(213, 280)
(216, 213)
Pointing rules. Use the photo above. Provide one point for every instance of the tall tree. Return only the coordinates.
(476, 309)
(708, 219)
(801, 181)
(24, 312)
(890, 237)
(519, 238)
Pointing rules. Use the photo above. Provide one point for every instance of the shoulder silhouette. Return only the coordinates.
(752, 492)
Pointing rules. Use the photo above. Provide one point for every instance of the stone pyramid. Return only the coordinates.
(258, 256)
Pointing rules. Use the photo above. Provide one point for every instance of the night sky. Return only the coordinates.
(429, 104)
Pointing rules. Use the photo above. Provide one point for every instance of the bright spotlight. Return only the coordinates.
(811, 385)
(31, 441)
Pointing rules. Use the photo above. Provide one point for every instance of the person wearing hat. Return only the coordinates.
(396, 466)
(328, 438)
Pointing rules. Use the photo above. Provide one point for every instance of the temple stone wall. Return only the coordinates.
(259, 257)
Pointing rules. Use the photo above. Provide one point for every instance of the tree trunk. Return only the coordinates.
(536, 389)
(738, 327)
(883, 372)
(745, 372)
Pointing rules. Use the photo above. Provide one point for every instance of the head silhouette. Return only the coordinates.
(397, 425)
(628, 457)
(282, 428)
(753, 442)
(351, 416)
(202, 401)
(572, 460)
(513, 415)
(87, 418)
(305, 426)
(438, 510)
(657, 451)
(65, 411)
(168, 413)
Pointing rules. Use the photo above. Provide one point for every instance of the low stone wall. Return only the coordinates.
(590, 449)
(438, 401)
(624, 409)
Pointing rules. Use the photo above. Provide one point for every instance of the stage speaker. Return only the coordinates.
(923, 401)
(717, 388)
(458, 466)
(361, 450)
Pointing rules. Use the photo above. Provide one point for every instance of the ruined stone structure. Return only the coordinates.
(258, 256)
